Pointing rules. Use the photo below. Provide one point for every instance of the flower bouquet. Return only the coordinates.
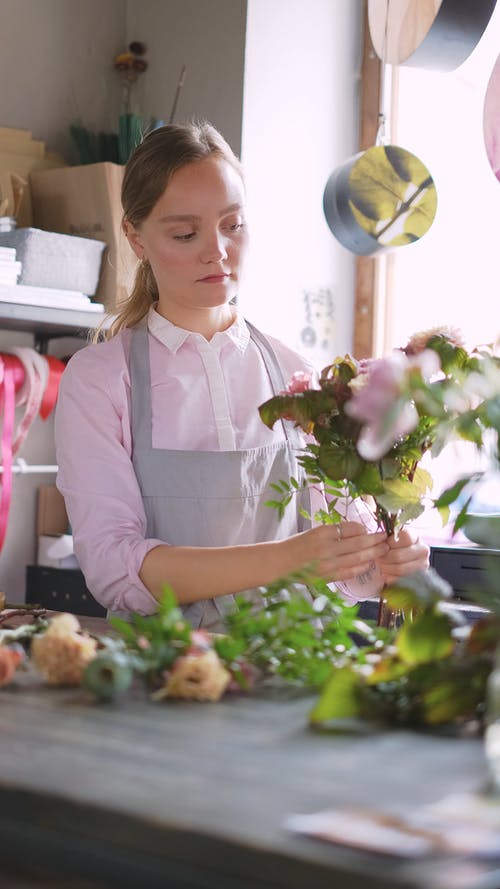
(371, 422)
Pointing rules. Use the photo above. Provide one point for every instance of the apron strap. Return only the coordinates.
(277, 379)
(141, 420)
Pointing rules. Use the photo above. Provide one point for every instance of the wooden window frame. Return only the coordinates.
(372, 294)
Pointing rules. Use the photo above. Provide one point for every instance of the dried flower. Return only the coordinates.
(63, 651)
(199, 677)
(419, 341)
(10, 658)
(137, 48)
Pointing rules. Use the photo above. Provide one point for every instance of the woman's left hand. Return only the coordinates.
(406, 554)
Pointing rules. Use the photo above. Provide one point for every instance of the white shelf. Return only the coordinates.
(45, 322)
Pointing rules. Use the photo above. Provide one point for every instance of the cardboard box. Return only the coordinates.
(52, 517)
(22, 165)
(85, 201)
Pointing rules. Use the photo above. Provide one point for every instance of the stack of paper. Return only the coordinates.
(47, 296)
(10, 269)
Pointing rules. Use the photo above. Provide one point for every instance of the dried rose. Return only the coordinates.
(124, 61)
(10, 658)
(418, 342)
(199, 677)
(139, 65)
(137, 47)
(63, 651)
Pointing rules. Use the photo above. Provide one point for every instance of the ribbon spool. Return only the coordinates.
(434, 34)
(33, 380)
(380, 199)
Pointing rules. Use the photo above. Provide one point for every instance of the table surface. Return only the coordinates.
(181, 794)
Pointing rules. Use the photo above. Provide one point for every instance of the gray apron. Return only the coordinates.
(212, 498)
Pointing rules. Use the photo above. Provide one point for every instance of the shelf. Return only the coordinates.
(46, 322)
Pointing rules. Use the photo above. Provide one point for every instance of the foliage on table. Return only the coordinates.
(430, 671)
(433, 671)
(369, 438)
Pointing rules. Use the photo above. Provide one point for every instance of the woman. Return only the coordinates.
(164, 463)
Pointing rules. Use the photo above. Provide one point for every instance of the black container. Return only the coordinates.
(61, 589)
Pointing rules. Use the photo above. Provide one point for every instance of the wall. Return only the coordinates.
(56, 58)
(209, 38)
(56, 65)
(289, 72)
(300, 121)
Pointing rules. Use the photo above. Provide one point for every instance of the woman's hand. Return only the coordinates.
(339, 552)
(405, 554)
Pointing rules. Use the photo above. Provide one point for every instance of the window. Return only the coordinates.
(451, 276)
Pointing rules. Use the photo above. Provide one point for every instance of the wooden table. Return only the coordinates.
(195, 795)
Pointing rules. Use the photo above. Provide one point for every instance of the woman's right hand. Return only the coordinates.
(338, 552)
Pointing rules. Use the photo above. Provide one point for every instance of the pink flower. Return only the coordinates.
(382, 405)
(382, 383)
(300, 382)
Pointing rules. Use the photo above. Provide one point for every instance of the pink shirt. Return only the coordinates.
(205, 396)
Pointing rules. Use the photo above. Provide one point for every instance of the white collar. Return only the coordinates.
(173, 337)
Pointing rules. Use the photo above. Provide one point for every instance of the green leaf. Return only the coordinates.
(368, 479)
(458, 694)
(398, 493)
(427, 638)
(449, 495)
(418, 590)
(303, 408)
(422, 480)
(339, 462)
(340, 698)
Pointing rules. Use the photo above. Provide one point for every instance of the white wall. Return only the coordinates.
(300, 121)
(208, 37)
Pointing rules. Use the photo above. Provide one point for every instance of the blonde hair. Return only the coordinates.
(147, 174)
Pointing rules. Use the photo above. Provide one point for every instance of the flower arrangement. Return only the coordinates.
(371, 424)
(372, 421)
